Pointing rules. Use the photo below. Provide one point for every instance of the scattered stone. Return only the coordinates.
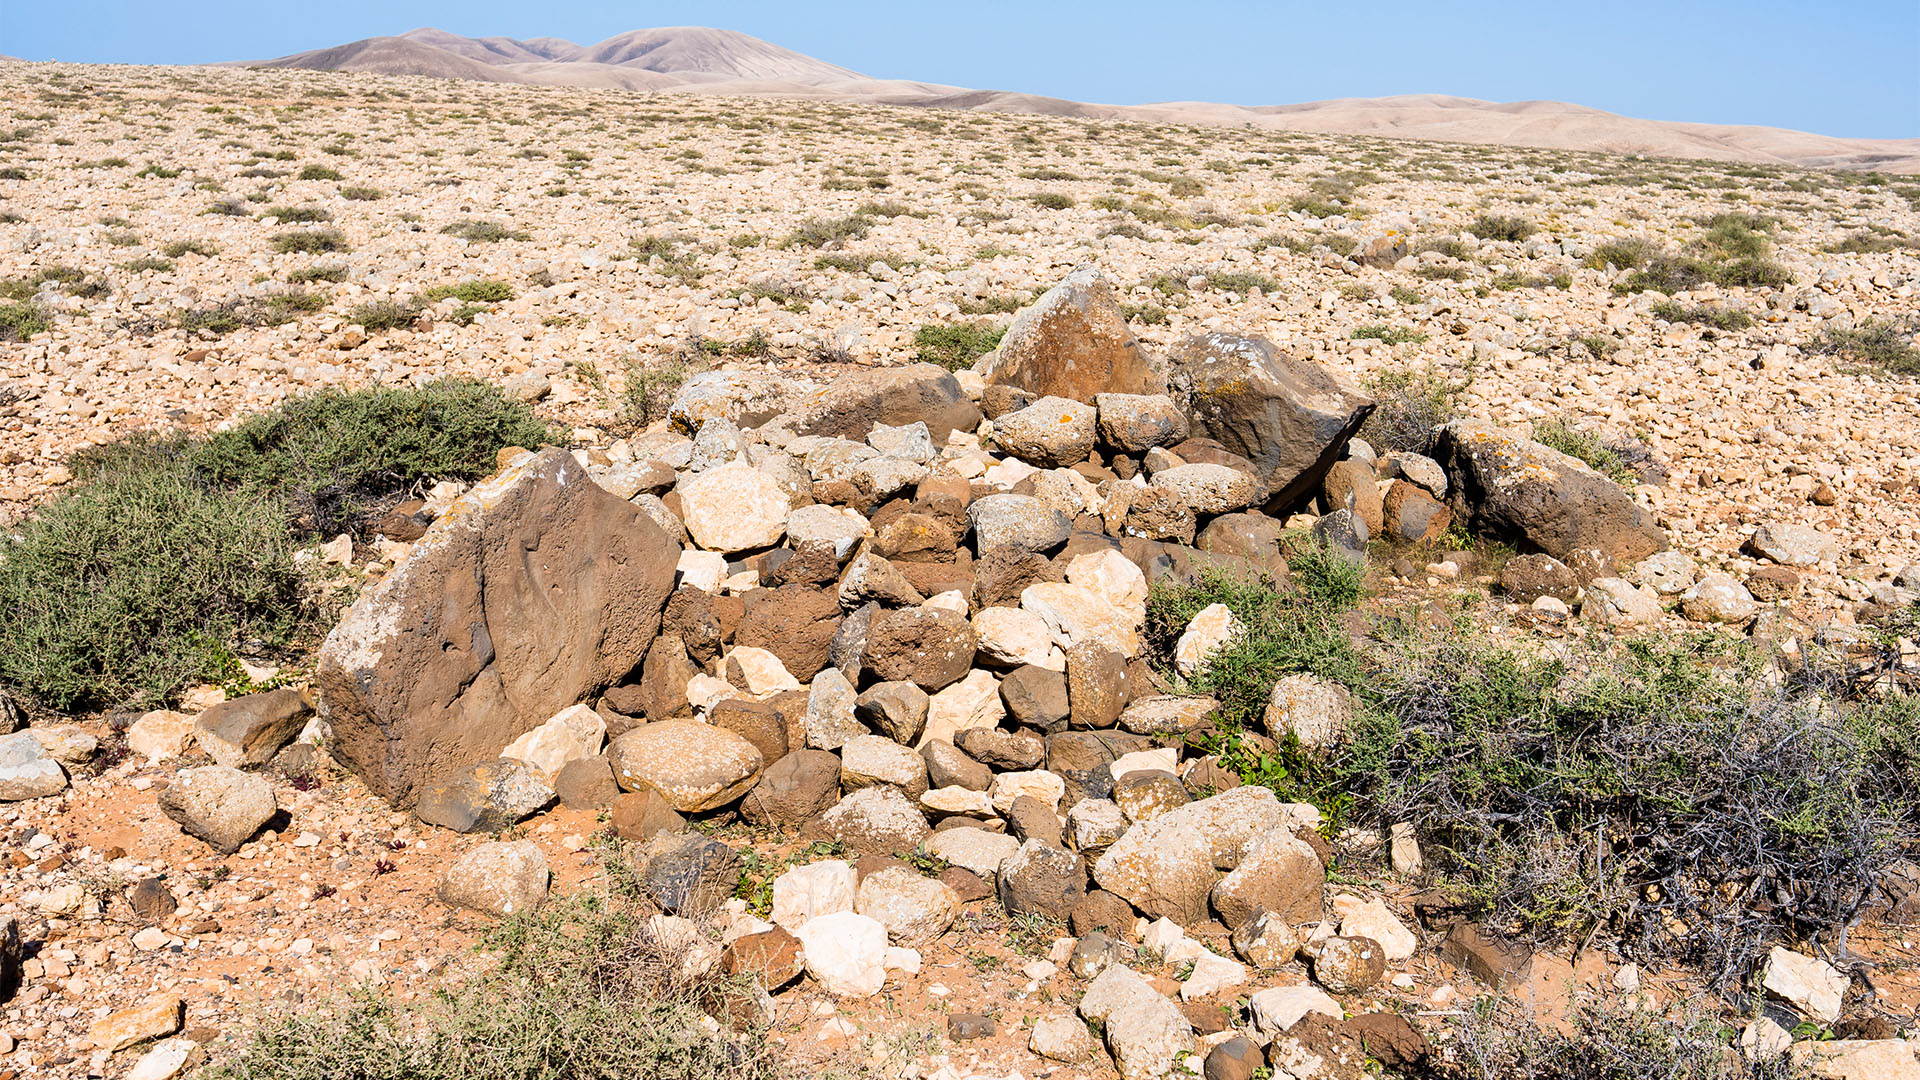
(846, 953)
(155, 1018)
(1313, 710)
(1064, 1039)
(876, 819)
(1053, 432)
(693, 878)
(770, 957)
(1810, 985)
(499, 879)
(1042, 879)
(220, 805)
(249, 730)
(1073, 342)
(915, 910)
(1792, 545)
(795, 790)
(696, 766)
(485, 797)
(27, 771)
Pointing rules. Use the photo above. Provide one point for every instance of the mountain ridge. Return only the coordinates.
(705, 60)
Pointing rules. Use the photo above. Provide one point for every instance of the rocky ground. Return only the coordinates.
(800, 247)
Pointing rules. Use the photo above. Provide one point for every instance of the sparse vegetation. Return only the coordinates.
(581, 989)
(1501, 227)
(319, 172)
(483, 232)
(309, 241)
(823, 232)
(1410, 408)
(1879, 343)
(956, 345)
(1720, 318)
(1583, 446)
(1392, 335)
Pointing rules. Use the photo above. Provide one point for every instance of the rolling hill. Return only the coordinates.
(692, 59)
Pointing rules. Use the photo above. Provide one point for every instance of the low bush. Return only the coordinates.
(377, 315)
(581, 989)
(1661, 795)
(1720, 318)
(319, 172)
(1410, 408)
(475, 291)
(1497, 1038)
(483, 232)
(821, 232)
(1500, 227)
(1585, 447)
(329, 458)
(1392, 335)
(309, 241)
(297, 215)
(360, 194)
(956, 345)
(1631, 253)
(20, 320)
(139, 582)
(273, 309)
(1052, 200)
(1874, 341)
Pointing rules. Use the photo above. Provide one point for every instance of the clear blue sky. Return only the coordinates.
(1843, 68)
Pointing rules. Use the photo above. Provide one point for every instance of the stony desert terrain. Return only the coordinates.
(195, 245)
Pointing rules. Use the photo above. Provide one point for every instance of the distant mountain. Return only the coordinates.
(694, 59)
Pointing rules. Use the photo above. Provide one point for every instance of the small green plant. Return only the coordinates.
(956, 345)
(1874, 341)
(1242, 282)
(360, 194)
(1052, 200)
(822, 232)
(1401, 294)
(297, 215)
(648, 390)
(146, 263)
(483, 232)
(319, 172)
(1720, 318)
(580, 989)
(309, 241)
(1500, 227)
(1584, 446)
(377, 315)
(20, 320)
(1410, 408)
(180, 249)
(306, 275)
(476, 291)
(1631, 253)
(1392, 335)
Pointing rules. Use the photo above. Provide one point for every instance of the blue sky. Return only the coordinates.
(1836, 68)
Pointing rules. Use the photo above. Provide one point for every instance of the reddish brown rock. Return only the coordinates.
(536, 592)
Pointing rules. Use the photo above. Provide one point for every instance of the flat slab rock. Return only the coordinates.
(534, 592)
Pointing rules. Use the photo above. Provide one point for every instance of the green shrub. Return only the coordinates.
(476, 291)
(1583, 446)
(21, 320)
(1242, 282)
(309, 241)
(319, 172)
(1720, 318)
(377, 315)
(329, 456)
(148, 262)
(181, 248)
(1631, 253)
(820, 232)
(1875, 342)
(297, 215)
(1869, 242)
(1410, 408)
(581, 989)
(1616, 793)
(326, 272)
(1053, 200)
(1500, 227)
(956, 345)
(1392, 335)
(274, 309)
(360, 194)
(648, 391)
(483, 232)
(139, 582)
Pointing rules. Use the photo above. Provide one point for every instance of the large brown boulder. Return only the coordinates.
(793, 622)
(1291, 418)
(851, 405)
(1074, 342)
(535, 592)
(1516, 489)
